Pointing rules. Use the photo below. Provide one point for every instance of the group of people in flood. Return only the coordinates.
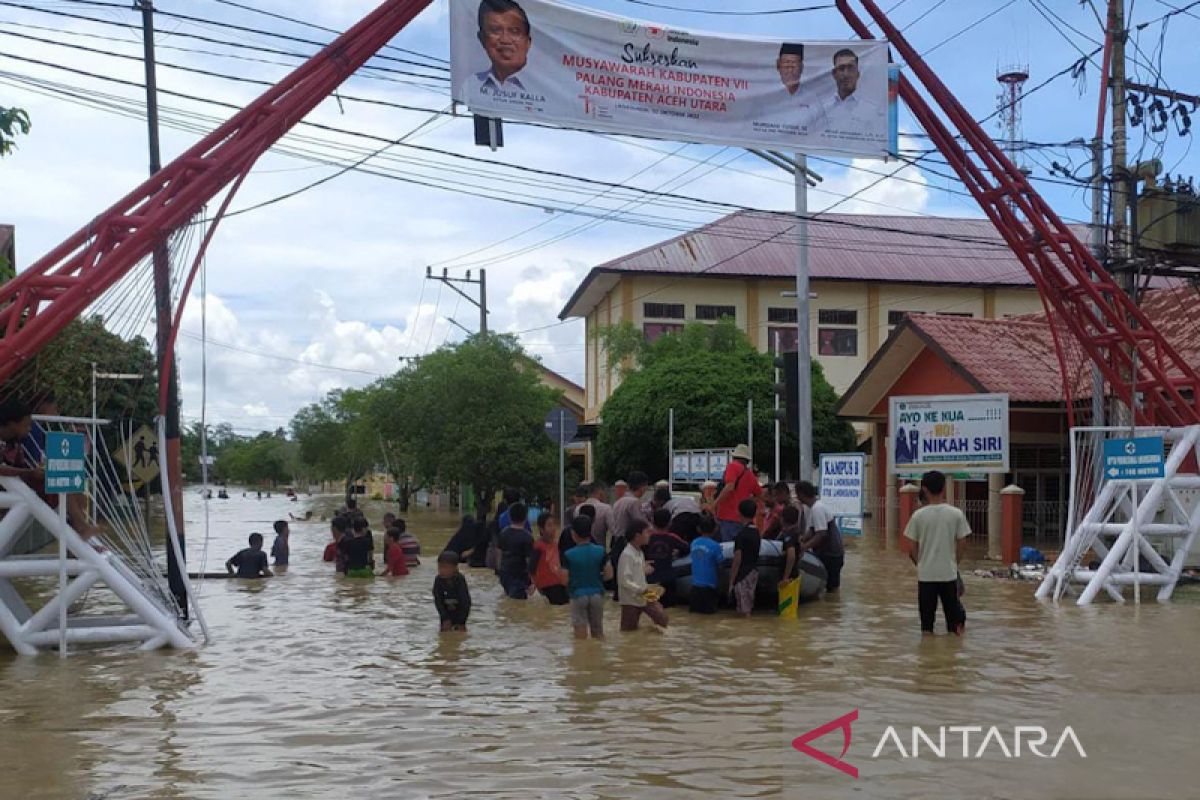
(627, 543)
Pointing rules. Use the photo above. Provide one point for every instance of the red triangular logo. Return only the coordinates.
(842, 723)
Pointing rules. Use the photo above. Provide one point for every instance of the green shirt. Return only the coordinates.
(936, 529)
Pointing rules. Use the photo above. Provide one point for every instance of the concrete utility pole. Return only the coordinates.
(481, 282)
(803, 344)
(1120, 169)
(162, 305)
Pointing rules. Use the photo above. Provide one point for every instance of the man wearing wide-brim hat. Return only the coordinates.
(739, 483)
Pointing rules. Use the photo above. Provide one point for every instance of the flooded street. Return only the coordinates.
(318, 687)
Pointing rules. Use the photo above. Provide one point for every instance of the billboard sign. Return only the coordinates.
(950, 433)
(552, 63)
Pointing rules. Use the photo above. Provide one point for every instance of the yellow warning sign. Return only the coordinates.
(140, 456)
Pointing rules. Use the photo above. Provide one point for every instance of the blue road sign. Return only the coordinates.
(561, 426)
(66, 467)
(1134, 459)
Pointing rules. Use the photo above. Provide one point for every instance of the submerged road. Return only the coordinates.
(318, 687)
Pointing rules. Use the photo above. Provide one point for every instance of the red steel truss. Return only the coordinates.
(1107, 324)
(43, 299)
(1139, 364)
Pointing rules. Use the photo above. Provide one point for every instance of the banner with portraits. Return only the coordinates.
(549, 62)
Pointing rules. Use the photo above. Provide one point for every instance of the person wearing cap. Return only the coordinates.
(739, 484)
(620, 489)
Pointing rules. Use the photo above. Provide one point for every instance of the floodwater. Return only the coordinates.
(319, 687)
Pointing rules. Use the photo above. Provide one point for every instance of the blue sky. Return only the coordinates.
(334, 277)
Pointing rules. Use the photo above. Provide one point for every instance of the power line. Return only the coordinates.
(759, 13)
(313, 25)
(713, 204)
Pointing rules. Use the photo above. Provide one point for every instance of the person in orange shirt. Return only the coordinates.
(545, 565)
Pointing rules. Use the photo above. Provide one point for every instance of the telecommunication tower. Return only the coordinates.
(1012, 86)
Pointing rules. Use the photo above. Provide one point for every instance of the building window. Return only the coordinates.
(785, 316)
(714, 313)
(896, 317)
(783, 340)
(837, 342)
(836, 316)
(656, 330)
(663, 310)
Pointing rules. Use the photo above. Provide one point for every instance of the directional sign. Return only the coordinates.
(66, 467)
(1134, 459)
(140, 456)
(561, 426)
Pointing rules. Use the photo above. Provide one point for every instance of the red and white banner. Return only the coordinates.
(549, 62)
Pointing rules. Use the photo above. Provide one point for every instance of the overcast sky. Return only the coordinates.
(326, 289)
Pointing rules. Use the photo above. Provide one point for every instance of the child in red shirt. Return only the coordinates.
(397, 563)
(337, 527)
(544, 567)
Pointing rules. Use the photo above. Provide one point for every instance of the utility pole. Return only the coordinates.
(176, 577)
(803, 345)
(481, 282)
(1120, 169)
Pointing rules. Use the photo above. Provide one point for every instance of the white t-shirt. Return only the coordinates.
(936, 529)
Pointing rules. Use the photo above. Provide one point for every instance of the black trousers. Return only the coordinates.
(833, 571)
(928, 594)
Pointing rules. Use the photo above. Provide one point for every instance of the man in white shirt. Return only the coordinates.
(844, 112)
(939, 534)
(823, 538)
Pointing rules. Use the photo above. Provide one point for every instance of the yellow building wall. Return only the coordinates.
(752, 300)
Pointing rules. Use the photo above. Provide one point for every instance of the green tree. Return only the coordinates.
(706, 373)
(64, 366)
(473, 413)
(329, 447)
(13, 122)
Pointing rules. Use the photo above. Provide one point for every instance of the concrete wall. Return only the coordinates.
(752, 300)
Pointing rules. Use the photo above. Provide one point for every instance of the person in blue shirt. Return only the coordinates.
(706, 565)
(511, 498)
(586, 569)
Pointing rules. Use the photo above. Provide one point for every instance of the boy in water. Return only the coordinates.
(395, 563)
(586, 569)
(706, 566)
(337, 528)
(408, 543)
(743, 577)
(252, 562)
(544, 565)
(792, 534)
(631, 581)
(661, 551)
(279, 548)
(516, 546)
(358, 550)
(450, 594)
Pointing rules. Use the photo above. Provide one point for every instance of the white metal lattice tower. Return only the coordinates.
(1012, 86)
(1132, 533)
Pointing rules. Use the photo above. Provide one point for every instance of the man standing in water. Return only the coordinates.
(740, 484)
(939, 534)
(823, 538)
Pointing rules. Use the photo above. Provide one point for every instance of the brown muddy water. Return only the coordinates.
(319, 687)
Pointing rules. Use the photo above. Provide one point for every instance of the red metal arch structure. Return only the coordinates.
(1141, 367)
(1106, 323)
